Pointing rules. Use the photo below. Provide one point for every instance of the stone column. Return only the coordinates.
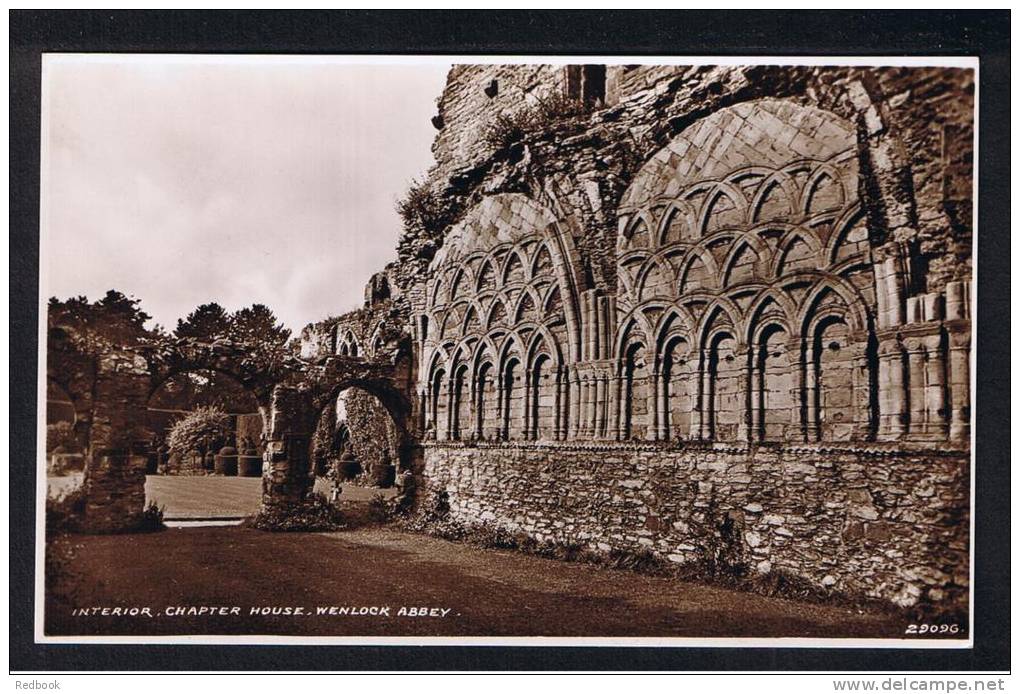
(861, 383)
(916, 384)
(661, 400)
(589, 409)
(935, 389)
(599, 391)
(114, 476)
(451, 404)
(575, 405)
(286, 469)
(741, 356)
(891, 394)
(959, 375)
(700, 394)
(529, 406)
(614, 405)
(808, 367)
(665, 423)
(754, 386)
(957, 324)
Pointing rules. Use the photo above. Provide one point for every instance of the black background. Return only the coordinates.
(771, 33)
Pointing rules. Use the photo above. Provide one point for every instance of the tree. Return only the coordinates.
(115, 320)
(256, 325)
(208, 322)
(205, 429)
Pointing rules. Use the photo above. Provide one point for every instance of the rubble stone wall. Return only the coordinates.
(892, 524)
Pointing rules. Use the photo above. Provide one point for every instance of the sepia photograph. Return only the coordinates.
(424, 350)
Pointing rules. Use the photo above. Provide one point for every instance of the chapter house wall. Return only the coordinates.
(879, 522)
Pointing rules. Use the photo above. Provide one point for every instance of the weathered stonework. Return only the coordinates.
(879, 521)
(702, 262)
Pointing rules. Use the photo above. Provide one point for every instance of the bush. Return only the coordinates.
(509, 129)
(316, 514)
(61, 434)
(63, 581)
(427, 212)
(152, 519)
(206, 428)
(65, 513)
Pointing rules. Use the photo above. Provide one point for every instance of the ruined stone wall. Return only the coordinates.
(877, 521)
(708, 256)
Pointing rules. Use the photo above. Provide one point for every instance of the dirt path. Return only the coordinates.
(471, 591)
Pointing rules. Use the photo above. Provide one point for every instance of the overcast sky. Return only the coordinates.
(184, 183)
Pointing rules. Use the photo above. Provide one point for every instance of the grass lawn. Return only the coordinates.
(210, 496)
(484, 592)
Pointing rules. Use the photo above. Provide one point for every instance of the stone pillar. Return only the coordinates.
(959, 375)
(286, 470)
(599, 393)
(575, 405)
(935, 421)
(665, 430)
(614, 406)
(529, 406)
(700, 394)
(806, 400)
(957, 325)
(589, 409)
(916, 384)
(114, 477)
(754, 388)
(450, 405)
(891, 394)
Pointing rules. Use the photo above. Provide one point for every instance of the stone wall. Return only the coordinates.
(887, 523)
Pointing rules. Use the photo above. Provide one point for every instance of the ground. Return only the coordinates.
(211, 497)
(486, 592)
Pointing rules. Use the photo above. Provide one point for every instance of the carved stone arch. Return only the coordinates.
(472, 320)
(633, 323)
(529, 301)
(497, 313)
(737, 214)
(814, 257)
(823, 171)
(777, 180)
(786, 306)
(711, 271)
(542, 261)
(848, 296)
(350, 342)
(841, 229)
(658, 276)
(486, 279)
(762, 257)
(638, 232)
(677, 208)
(719, 307)
(542, 339)
(673, 321)
(515, 260)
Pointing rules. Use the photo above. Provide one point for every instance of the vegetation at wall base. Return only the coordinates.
(315, 514)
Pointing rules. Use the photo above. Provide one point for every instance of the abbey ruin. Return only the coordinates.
(670, 308)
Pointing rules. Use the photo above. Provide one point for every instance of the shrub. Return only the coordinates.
(510, 128)
(63, 581)
(64, 513)
(316, 514)
(152, 519)
(206, 428)
(424, 210)
(61, 434)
